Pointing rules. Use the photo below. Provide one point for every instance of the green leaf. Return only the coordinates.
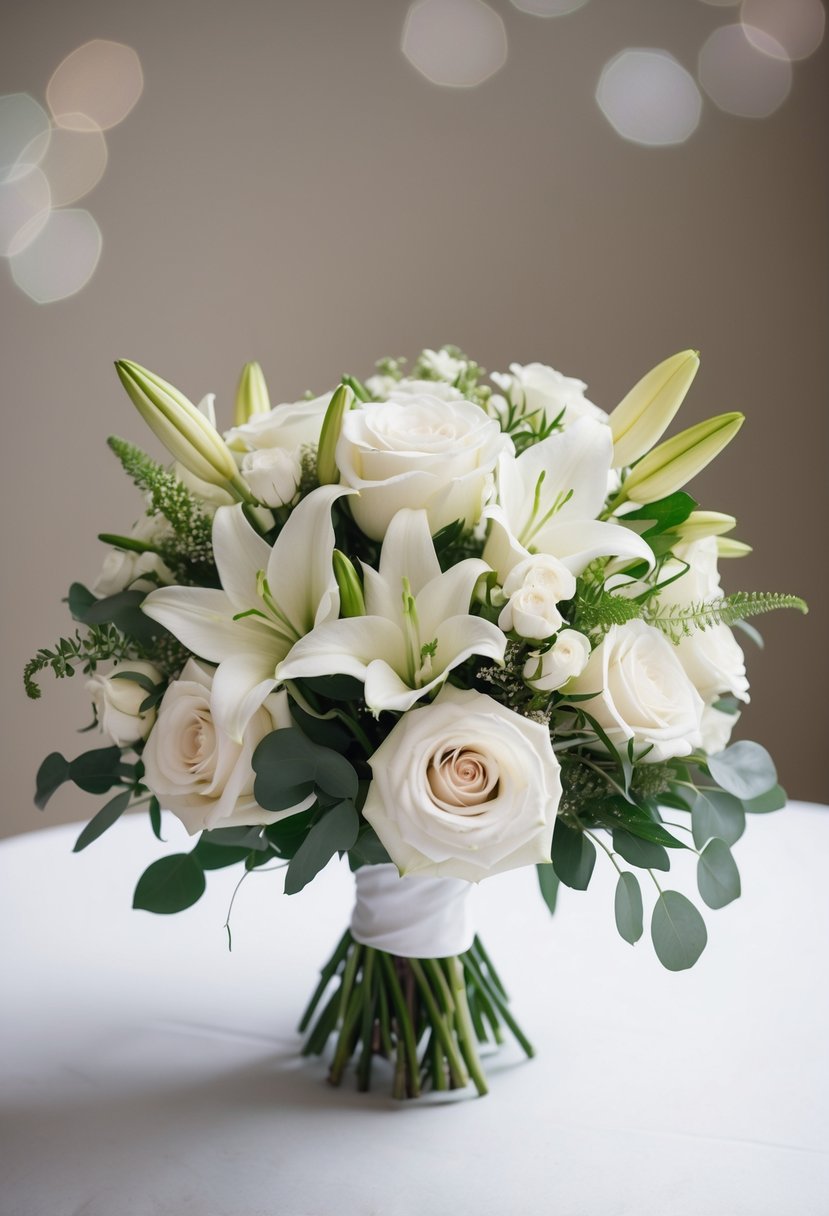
(628, 907)
(642, 853)
(51, 775)
(335, 832)
(287, 835)
(105, 818)
(333, 688)
(170, 884)
(665, 512)
(718, 878)
(368, 851)
(155, 817)
(96, 771)
(548, 882)
(137, 677)
(212, 856)
(289, 766)
(716, 813)
(240, 837)
(773, 800)
(616, 812)
(328, 732)
(678, 931)
(124, 612)
(80, 599)
(574, 856)
(744, 769)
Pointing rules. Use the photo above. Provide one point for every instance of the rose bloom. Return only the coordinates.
(534, 588)
(128, 569)
(419, 452)
(536, 390)
(641, 692)
(196, 770)
(117, 702)
(551, 669)
(273, 475)
(292, 426)
(464, 788)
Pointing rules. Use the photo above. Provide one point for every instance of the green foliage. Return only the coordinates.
(574, 856)
(718, 878)
(170, 885)
(100, 644)
(548, 884)
(645, 854)
(628, 907)
(106, 817)
(681, 622)
(744, 769)
(773, 800)
(678, 931)
(716, 813)
(334, 832)
(94, 772)
(289, 767)
(596, 610)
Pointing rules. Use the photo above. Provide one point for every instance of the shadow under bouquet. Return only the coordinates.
(439, 627)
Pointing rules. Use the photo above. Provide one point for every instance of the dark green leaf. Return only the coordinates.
(155, 817)
(716, 813)
(616, 812)
(80, 600)
(137, 677)
(211, 856)
(289, 766)
(678, 931)
(642, 853)
(170, 884)
(675, 801)
(773, 800)
(718, 878)
(96, 771)
(333, 688)
(105, 818)
(335, 832)
(744, 769)
(328, 732)
(241, 837)
(287, 835)
(628, 907)
(574, 856)
(368, 851)
(124, 612)
(50, 776)
(548, 882)
(665, 512)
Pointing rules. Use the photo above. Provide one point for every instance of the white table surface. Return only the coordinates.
(146, 1071)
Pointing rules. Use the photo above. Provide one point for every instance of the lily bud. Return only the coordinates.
(327, 472)
(703, 523)
(643, 416)
(352, 602)
(668, 467)
(728, 547)
(251, 395)
(182, 428)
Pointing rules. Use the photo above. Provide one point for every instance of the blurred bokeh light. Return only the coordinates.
(751, 79)
(101, 80)
(25, 201)
(61, 259)
(796, 25)
(549, 8)
(457, 43)
(649, 98)
(22, 120)
(72, 157)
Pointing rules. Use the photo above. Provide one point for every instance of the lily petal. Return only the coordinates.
(300, 568)
(576, 542)
(448, 595)
(202, 620)
(459, 637)
(240, 686)
(344, 647)
(408, 551)
(240, 554)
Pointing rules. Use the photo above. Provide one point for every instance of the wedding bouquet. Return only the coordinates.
(442, 628)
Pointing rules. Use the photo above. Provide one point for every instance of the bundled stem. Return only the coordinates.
(426, 1016)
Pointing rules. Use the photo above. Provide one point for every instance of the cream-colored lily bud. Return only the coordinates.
(728, 547)
(642, 417)
(328, 474)
(182, 428)
(703, 523)
(352, 602)
(668, 467)
(251, 395)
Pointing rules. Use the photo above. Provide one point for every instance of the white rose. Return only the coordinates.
(566, 659)
(273, 475)
(537, 389)
(127, 568)
(418, 452)
(701, 581)
(464, 788)
(716, 729)
(642, 692)
(292, 426)
(405, 388)
(199, 772)
(117, 702)
(534, 587)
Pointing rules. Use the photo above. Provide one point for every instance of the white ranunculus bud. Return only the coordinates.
(464, 788)
(566, 659)
(641, 692)
(534, 587)
(273, 474)
(117, 702)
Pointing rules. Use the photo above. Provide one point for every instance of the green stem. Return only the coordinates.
(497, 999)
(440, 1026)
(406, 1038)
(480, 950)
(326, 976)
(463, 1023)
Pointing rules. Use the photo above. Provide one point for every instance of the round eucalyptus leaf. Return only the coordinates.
(718, 878)
(745, 770)
(628, 907)
(716, 813)
(678, 931)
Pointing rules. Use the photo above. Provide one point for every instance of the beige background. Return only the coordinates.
(290, 189)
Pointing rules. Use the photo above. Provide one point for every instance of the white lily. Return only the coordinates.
(417, 628)
(270, 598)
(548, 501)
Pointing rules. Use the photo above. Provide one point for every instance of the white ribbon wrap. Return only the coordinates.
(412, 917)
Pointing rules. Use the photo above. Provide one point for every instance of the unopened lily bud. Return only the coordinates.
(251, 395)
(703, 523)
(182, 428)
(642, 417)
(328, 473)
(352, 602)
(728, 547)
(670, 465)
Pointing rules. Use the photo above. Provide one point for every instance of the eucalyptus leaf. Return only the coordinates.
(773, 800)
(285, 836)
(170, 884)
(155, 817)
(237, 838)
(335, 832)
(105, 818)
(289, 765)
(80, 599)
(574, 856)
(628, 907)
(51, 775)
(333, 688)
(367, 851)
(124, 612)
(616, 812)
(718, 878)
(212, 856)
(678, 931)
(638, 852)
(716, 813)
(548, 882)
(96, 771)
(744, 769)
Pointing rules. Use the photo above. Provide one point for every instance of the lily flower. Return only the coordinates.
(549, 498)
(270, 599)
(417, 625)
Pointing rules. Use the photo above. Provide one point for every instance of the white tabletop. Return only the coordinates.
(148, 1071)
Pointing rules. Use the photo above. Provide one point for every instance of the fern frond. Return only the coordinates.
(597, 610)
(680, 622)
(98, 645)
